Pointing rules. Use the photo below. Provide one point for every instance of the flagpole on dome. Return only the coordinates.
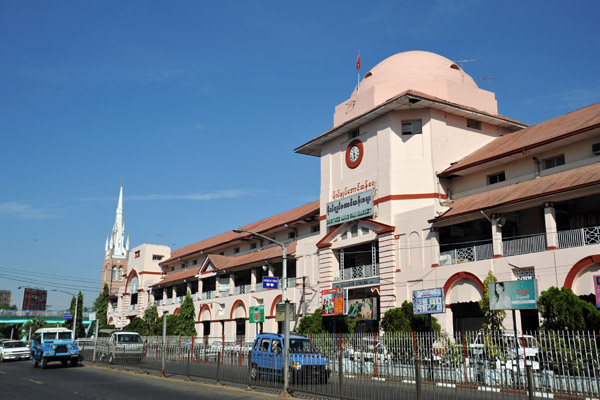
(358, 73)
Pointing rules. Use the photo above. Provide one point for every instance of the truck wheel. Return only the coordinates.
(36, 363)
(44, 362)
(64, 363)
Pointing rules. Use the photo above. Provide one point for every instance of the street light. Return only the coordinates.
(286, 322)
(75, 317)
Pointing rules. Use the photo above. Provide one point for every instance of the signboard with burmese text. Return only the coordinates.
(349, 208)
(513, 295)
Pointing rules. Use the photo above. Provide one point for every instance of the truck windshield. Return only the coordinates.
(129, 339)
(64, 335)
(301, 346)
(12, 345)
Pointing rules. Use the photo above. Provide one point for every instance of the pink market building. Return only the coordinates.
(423, 185)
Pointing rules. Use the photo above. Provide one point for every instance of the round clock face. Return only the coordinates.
(354, 153)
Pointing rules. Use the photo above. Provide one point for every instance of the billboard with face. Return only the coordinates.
(362, 309)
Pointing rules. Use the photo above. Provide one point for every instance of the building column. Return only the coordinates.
(326, 265)
(253, 280)
(231, 284)
(433, 240)
(174, 294)
(387, 272)
(550, 223)
(217, 286)
(496, 236)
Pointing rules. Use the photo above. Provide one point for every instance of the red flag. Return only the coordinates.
(358, 61)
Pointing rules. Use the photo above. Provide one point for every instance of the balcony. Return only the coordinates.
(579, 237)
(211, 294)
(242, 289)
(160, 302)
(467, 254)
(179, 299)
(356, 272)
(523, 245)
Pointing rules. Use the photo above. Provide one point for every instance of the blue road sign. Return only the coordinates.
(68, 316)
(269, 283)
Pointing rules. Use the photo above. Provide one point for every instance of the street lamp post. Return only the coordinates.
(75, 316)
(286, 322)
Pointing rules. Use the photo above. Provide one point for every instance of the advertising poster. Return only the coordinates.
(429, 301)
(513, 295)
(332, 302)
(361, 309)
(597, 289)
(257, 314)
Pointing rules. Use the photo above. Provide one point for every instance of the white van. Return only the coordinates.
(499, 348)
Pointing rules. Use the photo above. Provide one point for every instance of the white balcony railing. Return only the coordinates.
(224, 292)
(467, 254)
(211, 294)
(242, 289)
(160, 302)
(524, 245)
(195, 296)
(132, 307)
(357, 272)
(579, 237)
(180, 299)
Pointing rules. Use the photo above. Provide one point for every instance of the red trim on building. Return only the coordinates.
(435, 265)
(361, 151)
(202, 308)
(150, 273)
(578, 267)
(233, 307)
(414, 196)
(274, 304)
(551, 248)
(176, 311)
(462, 275)
(497, 255)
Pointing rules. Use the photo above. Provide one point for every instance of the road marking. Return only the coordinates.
(33, 381)
(2, 372)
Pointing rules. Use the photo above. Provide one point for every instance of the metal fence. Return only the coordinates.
(412, 365)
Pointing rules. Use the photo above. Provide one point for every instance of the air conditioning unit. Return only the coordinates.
(596, 148)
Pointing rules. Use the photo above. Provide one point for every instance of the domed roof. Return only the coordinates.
(419, 71)
(405, 70)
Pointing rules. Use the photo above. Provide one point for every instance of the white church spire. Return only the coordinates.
(117, 239)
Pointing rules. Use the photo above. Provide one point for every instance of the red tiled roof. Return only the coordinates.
(227, 262)
(560, 182)
(573, 123)
(308, 210)
(179, 275)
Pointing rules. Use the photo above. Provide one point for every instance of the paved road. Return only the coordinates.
(19, 380)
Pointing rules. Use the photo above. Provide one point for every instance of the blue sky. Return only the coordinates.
(197, 106)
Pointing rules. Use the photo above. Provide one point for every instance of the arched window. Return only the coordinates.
(121, 273)
(114, 274)
(133, 289)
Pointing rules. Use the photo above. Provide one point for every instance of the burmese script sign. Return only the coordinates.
(349, 208)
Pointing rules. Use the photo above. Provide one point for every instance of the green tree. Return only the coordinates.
(7, 307)
(69, 322)
(151, 319)
(171, 325)
(403, 319)
(186, 321)
(101, 307)
(396, 320)
(561, 309)
(492, 319)
(138, 325)
(312, 323)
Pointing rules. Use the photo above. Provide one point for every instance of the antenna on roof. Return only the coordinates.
(489, 79)
(463, 61)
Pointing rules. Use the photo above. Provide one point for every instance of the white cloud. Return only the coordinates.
(19, 210)
(219, 194)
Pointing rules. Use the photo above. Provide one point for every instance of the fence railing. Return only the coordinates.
(357, 272)
(467, 254)
(543, 364)
(524, 245)
(579, 237)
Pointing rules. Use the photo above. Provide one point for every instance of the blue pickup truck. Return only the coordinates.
(305, 361)
(54, 344)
